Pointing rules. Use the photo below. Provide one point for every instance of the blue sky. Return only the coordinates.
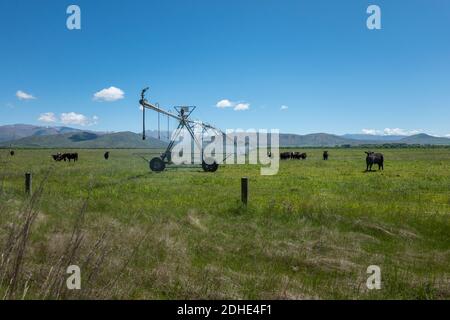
(316, 58)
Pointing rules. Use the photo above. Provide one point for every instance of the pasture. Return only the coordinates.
(309, 232)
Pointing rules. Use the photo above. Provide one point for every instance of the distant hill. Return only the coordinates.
(314, 140)
(371, 137)
(330, 140)
(22, 135)
(162, 135)
(423, 138)
(84, 139)
(318, 139)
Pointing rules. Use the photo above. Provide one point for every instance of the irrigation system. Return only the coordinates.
(182, 116)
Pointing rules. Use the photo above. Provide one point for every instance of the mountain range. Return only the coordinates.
(29, 136)
(371, 137)
(18, 131)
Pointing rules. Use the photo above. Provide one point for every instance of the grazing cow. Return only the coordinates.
(106, 155)
(269, 154)
(57, 157)
(73, 156)
(325, 155)
(374, 158)
(298, 156)
(11, 153)
(285, 155)
(70, 156)
(295, 155)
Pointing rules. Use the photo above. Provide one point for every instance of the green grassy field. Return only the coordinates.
(309, 232)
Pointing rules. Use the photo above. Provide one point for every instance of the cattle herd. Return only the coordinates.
(371, 157)
(293, 155)
(298, 155)
(65, 156)
(72, 156)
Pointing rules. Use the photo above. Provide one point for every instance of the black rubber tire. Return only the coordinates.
(157, 165)
(210, 167)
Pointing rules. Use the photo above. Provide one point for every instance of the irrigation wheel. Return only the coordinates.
(157, 164)
(210, 166)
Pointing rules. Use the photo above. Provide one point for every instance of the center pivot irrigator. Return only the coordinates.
(182, 115)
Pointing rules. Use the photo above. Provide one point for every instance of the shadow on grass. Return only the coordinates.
(371, 171)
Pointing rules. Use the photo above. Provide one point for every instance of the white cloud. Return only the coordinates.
(110, 94)
(391, 132)
(47, 117)
(237, 106)
(399, 132)
(69, 118)
(72, 118)
(372, 132)
(225, 103)
(24, 96)
(283, 107)
(447, 135)
(242, 106)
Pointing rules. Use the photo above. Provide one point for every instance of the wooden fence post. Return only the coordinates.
(244, 190)
(28, 183)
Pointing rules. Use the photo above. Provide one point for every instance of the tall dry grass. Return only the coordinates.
(18, 280)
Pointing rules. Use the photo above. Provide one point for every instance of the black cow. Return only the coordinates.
(73, 156)
(298, 156)
(57, 157)
(295, 155)
(11, 153)
(374, 158)
(325, 155)
(106, 155)
(70, 156)
(285, 155)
